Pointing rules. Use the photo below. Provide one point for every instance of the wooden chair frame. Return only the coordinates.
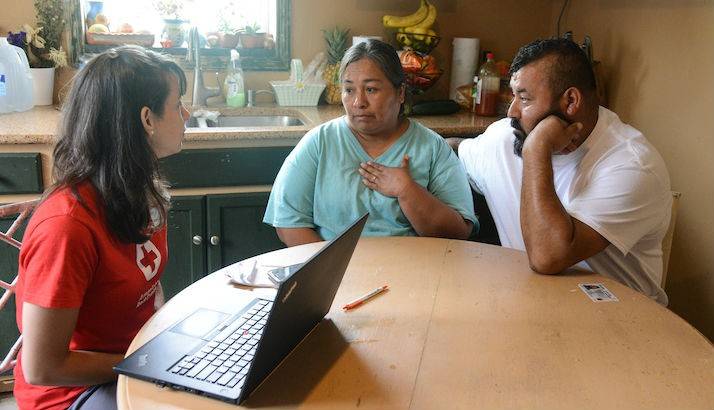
(22, 210)
(667, 240)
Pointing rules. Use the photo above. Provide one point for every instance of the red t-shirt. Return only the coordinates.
(69, 259)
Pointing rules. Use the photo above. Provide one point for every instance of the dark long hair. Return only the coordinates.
(102, 139)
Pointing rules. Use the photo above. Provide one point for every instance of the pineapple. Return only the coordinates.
(336, 44)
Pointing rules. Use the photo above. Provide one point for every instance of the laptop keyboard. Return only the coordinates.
(225, 359)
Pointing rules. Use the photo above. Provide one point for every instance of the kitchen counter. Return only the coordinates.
(39, 125)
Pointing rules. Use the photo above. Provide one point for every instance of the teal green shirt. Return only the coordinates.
(319, 187)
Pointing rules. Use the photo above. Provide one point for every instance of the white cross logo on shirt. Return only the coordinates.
(148, 259)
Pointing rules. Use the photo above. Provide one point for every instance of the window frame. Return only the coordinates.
(257, 59)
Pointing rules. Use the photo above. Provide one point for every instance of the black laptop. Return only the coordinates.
(226, 355)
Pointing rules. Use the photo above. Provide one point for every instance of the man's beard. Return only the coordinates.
(520, 134)
(520, 137)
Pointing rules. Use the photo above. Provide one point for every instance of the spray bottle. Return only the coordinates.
(234, 85)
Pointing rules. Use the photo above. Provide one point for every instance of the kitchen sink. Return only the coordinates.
(229, 121)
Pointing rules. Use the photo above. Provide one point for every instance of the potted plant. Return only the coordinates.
(171, 11)
(227, 32)
(251, 37)
(43, 47)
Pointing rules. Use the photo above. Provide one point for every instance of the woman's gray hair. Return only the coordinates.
(381, 53)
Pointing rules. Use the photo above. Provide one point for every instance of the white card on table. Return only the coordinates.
(597, 292)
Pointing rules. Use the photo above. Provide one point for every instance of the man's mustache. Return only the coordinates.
(518, 130)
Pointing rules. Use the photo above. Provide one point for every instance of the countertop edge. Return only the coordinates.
(40, 125)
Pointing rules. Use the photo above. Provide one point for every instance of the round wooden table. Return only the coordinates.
(464, 325)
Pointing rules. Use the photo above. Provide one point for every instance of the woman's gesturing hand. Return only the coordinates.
(389, 181)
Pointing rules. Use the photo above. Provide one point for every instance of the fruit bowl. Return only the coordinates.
(418, 82)
(421, 70)
(422, 43)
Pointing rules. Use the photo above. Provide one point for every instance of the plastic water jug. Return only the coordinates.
(15, 79)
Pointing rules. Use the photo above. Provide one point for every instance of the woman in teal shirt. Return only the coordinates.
(373, 160)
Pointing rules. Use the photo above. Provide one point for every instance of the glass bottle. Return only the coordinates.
(486, 89)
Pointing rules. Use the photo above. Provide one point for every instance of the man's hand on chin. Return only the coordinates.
(554, 135)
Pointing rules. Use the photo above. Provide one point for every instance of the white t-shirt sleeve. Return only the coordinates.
(475, 153)
(623, 204)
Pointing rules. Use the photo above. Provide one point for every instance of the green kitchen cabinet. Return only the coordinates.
(236, 230)
(206, 233)
(186, 228)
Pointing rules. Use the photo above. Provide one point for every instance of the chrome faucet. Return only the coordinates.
(201, 93)
(253, 93)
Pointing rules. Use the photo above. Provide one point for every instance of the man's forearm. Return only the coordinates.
(547, 228)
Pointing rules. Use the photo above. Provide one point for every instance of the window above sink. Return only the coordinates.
(259, 30)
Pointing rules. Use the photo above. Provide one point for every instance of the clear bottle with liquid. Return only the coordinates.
(486, 88)
(234, 85)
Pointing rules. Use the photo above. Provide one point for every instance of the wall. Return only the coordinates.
(659, 60)
(14, 14)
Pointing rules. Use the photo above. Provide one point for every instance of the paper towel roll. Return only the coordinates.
(463, 63)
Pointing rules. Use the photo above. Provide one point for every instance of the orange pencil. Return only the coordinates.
(365, 298)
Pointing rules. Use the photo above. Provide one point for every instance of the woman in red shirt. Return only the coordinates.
(95, 247)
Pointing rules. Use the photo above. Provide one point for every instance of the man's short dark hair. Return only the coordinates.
(571, 67)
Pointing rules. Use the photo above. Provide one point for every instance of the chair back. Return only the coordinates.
(667, 240)
(22, 210)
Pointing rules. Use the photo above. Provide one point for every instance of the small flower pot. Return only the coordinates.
(228, 40)
(213, 38)
(43, 84)
(253, 40)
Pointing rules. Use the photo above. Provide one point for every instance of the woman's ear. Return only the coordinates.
(402, 93)
(572, 100)
(147, 120)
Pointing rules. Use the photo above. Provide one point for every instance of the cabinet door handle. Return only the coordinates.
(215, 240)
(197, 240)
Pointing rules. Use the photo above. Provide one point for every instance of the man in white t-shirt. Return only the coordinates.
(566, 180)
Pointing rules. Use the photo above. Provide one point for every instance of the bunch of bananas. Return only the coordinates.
(414, 30)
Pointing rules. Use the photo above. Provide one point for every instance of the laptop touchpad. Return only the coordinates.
(200, 323)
